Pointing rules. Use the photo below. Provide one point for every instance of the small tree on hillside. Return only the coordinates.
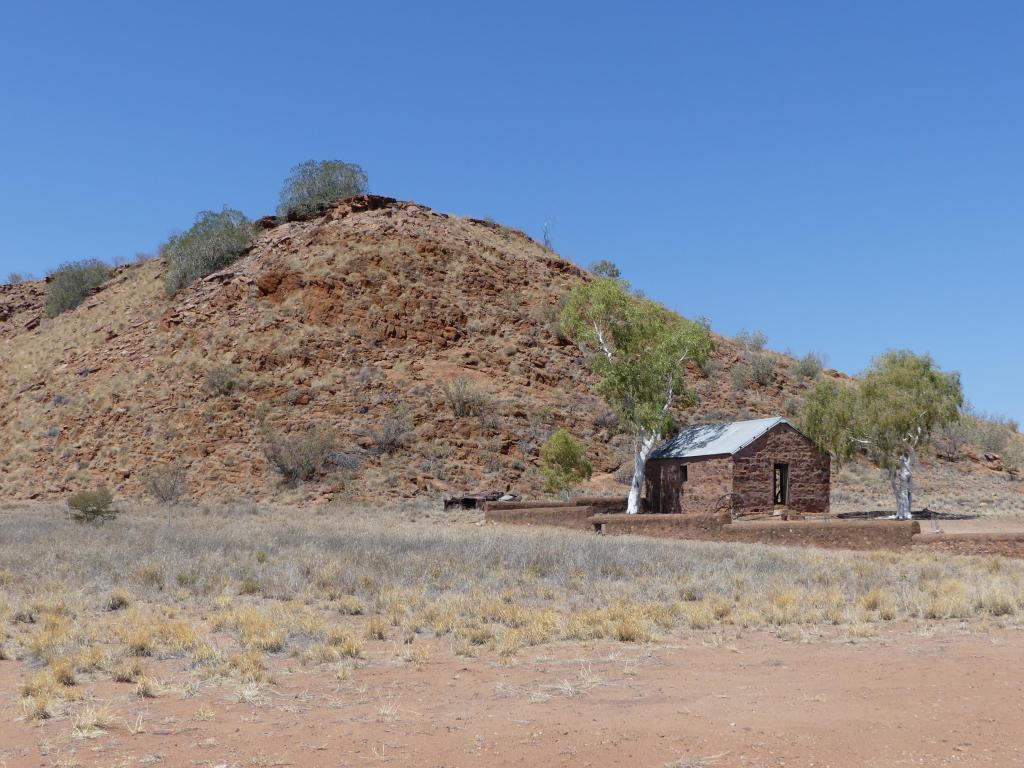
(638, 348)
(891, 412)
(70, 284)
(212, 243)
(563, 462)
(313, 185)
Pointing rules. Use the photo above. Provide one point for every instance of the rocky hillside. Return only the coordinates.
(353, 322)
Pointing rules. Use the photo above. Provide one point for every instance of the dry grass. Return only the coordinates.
(342, 586)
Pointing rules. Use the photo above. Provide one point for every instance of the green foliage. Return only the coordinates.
(827, 417)
(605, 268)
(637, 347)
(314, 185)
(92, 506)
(70, 284)
(563, 462)
(903, 398)
(890, 411)
(740, 375)
(213, 242)
(762, 367)
(808, 366)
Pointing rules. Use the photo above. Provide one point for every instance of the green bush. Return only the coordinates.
(300, 456)
(563, 462)
(761, 369)
(92, 506)
(740, 375)
(70, 284)
(808, 366)
(213, 242)
(314, 185)
(465, 398)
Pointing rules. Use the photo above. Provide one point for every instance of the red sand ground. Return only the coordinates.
(933, 695)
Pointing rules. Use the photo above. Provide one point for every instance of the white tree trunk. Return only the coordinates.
(644, 444)
(903, 486)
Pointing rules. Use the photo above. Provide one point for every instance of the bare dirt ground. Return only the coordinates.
(930, 695)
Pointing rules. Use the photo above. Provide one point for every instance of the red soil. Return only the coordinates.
(937, 696)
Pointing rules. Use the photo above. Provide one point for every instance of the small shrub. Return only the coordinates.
(213, 242)
(92, 506)
(465, 397)
(808, 366)
(221, 379)
(740, 375)
(377, 629)
(70, 284)
(15, 278)
(761, 369)
(118, 599)
(166, 484)
(755, 341)
(312, 186)
(394, 432)
(563, 463)
(299, 457)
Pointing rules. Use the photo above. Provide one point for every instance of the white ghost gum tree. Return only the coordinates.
(890, 412)
(639, 349)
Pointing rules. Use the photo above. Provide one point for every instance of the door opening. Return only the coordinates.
(781, 489)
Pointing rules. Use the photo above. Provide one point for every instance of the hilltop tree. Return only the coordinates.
(891, 412)
(638, 348)
(315, 184)
(605, 268)
(563, 462)
(215, 240)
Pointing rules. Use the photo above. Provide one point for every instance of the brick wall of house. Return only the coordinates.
(753, 472)
(708, 480)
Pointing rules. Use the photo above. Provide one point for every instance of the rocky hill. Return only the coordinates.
(353, 322)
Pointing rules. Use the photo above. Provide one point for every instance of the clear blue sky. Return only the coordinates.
(846, 177)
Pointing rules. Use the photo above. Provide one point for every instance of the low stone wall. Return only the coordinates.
(829, 534)
(571, 516)
(666, 526)
(1004, 544)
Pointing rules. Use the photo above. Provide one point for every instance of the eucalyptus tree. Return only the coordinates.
(639, 349)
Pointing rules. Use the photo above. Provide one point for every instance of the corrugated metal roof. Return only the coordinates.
(715, 439)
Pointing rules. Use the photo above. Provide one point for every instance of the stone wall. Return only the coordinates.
(699, 526)
(707, 481)
(754, 466)
(828, 534)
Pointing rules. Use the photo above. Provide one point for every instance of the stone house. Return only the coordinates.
(748, 467)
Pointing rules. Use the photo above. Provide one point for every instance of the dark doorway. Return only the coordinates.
(673, 479)
(781, 485)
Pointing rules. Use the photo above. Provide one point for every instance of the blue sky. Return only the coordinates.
(846, 177)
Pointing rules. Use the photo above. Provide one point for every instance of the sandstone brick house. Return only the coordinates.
(751, 467)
